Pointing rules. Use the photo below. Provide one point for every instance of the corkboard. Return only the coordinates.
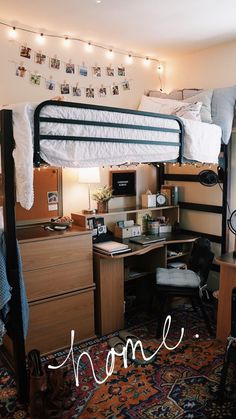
(45, 180)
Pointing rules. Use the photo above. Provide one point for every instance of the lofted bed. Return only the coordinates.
(69, 134)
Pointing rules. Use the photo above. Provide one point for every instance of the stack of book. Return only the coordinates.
(172, 193)
(111, 248)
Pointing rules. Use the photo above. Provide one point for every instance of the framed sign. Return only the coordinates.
(123, 182)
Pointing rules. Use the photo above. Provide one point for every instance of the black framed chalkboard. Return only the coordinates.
(123, 182)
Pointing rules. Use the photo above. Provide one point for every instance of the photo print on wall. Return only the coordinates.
(25, 52)
(21, 71)
(83, 71)
(40, 58)
(70, 68)
(76, 91)
(65, 89)
(50, 84)
(35, 79)
(89, 92)
(55, 63)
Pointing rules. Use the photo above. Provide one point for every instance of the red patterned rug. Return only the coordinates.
(178, 384)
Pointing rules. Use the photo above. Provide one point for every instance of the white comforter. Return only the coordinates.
(201, 143)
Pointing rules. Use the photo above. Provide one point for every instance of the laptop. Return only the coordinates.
(151, 238)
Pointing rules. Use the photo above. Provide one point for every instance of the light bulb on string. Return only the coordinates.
(12, 33)
(66, 42)
(146, 61)
(129, 59)
(160, 68)
(110, 53)
(40, 38)
(88, 47)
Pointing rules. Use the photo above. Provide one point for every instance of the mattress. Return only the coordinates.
(201, 142)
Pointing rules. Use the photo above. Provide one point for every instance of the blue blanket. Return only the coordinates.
(5, 291)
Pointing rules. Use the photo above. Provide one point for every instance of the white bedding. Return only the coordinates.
(201, 143)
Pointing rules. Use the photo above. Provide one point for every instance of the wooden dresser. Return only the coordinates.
(58, 274)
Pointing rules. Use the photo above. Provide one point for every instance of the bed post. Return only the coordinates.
(15, 323)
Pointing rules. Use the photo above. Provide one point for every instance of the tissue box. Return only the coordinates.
(149, 201)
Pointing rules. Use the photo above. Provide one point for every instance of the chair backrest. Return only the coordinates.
(201, 258)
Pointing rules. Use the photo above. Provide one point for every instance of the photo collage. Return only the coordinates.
(68, 87)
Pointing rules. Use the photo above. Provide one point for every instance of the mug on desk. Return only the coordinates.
(153, 227)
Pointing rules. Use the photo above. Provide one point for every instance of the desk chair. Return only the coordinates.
(189, 282)
(230, 352)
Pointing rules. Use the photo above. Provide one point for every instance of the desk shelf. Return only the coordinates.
(183, 254)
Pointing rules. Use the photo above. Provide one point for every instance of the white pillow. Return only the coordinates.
(177, 278)
(171, 107)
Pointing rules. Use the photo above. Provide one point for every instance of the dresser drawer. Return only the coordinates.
(46, 282)
(52, 320)
(45, 253)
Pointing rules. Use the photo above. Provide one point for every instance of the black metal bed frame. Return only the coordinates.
(38, 119)
(7, 145)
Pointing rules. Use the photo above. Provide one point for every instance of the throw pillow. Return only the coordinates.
(177, 278)
(171, 107)
(205, 96)
(222, 110)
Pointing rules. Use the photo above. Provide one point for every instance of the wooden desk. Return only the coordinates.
(227, 283)
(109, 273)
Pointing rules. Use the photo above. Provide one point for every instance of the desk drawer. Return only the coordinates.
(47, 282)
(45, 253)
(52, 320)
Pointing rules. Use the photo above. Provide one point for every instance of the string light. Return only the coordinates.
(129, 59)
(12, 33)
(88, 45)
(66, 41)
(110, 53)
(146, 61)
(40, 39)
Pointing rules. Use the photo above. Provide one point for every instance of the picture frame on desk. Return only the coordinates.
(123, 182)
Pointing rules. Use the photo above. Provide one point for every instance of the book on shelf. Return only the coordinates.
(172, 193)
(111, 247)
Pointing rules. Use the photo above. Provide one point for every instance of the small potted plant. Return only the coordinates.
(102, 196)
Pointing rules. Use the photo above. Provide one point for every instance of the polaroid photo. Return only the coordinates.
(76, 91)
(55, 63)
(96, 71)
(25, 52)
(126, 85)
(50, 84)
(21, 71)
(65, 89)
(35, 79)
(121, 71)
(110, 71)
(70, 68)
(102, 92)
(40, 58)
(115, 90)
(83, 71)
(52, 197)
(89, 92)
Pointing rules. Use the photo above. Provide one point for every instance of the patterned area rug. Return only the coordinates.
(178, 384)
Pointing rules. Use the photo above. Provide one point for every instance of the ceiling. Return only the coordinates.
(157, 28)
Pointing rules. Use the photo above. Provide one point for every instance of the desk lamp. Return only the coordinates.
(89, 175)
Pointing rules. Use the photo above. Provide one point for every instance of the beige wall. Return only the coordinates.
(209, 68)
(15, 89)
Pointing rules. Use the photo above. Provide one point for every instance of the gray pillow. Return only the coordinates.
(177, 277)
(175, 94)
(222, 110)
(204, 96)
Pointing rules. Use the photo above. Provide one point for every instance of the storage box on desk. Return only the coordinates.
(165, 228)
(126, 232)
(148, 200)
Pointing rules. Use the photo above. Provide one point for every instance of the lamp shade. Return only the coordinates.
(89, 175)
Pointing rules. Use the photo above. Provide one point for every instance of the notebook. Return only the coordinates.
(151, 238)
(111, 247)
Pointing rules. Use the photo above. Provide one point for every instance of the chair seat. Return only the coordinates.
(177, 278)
